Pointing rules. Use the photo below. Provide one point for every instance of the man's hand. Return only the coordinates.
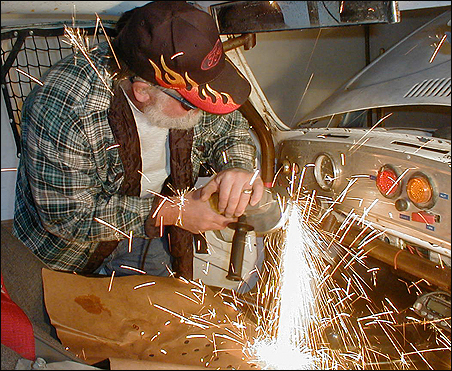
(190, 212)
(236, 189)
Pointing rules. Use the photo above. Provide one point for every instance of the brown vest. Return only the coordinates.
(124, 129)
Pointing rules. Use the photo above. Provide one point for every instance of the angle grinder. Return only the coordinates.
(265, 217)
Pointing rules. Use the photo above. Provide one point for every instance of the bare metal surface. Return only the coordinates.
(360, 162)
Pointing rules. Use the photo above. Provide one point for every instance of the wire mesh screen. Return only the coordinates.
(26, 54)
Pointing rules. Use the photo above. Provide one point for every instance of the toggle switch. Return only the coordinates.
(423, 217)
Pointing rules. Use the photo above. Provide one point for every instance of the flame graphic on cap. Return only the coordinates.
(199, 98)
(176, 81)
(202, 99)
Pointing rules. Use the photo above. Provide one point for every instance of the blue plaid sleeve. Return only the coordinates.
(224, 141)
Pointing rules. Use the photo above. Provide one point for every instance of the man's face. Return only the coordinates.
(166, 112)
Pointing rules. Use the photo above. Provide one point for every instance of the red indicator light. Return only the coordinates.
(387, 181)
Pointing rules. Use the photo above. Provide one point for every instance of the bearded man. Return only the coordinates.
(112, 146)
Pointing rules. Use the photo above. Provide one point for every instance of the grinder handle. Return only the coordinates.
(238, 248)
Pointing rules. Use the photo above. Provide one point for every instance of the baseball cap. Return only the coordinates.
(177, 46)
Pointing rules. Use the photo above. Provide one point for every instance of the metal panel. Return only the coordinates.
(421, 59)
(357, 159)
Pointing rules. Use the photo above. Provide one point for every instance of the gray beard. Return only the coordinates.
(156, 117)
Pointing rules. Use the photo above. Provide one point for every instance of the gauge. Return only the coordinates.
(325, 171)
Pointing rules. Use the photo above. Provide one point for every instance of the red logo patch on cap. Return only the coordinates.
(212, 59)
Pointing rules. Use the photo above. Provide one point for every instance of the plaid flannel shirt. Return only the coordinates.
(70, 172)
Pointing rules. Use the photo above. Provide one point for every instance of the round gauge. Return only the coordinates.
(325, 171)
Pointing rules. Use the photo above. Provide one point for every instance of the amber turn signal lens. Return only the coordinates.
(386, 181)
(419, 190)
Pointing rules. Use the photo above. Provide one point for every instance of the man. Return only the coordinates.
(112, 147)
